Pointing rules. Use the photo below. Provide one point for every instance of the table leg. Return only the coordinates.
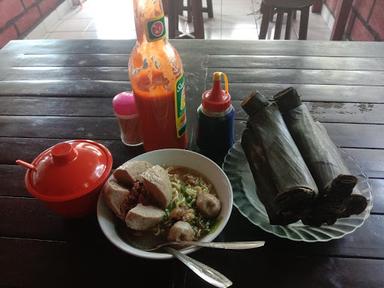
(288, 25)
(278, 24)
(304, 17)
(198, 21)
(266, 10)
(173, 18)
(344, 7)
(317, 5)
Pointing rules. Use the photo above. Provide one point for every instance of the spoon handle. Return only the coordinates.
(227, 245)
(205, 272)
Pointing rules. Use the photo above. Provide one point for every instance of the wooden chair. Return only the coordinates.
(173, 11)
(205, 9)
(281, 7)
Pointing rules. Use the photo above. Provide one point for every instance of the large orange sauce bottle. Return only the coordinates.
(157, 80)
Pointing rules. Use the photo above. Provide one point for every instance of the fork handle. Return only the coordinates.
(205, 272)
(226, 245)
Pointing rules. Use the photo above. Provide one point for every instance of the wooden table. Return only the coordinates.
(51, 90)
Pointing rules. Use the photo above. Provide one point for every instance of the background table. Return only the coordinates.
(51, 90)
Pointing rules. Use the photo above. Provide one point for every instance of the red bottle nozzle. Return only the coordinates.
(217, 99)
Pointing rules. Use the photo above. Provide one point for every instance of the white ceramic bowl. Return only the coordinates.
(174, 157)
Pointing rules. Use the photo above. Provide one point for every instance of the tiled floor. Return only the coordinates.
(113, 19)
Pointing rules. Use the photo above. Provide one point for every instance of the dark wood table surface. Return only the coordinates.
(52, 90)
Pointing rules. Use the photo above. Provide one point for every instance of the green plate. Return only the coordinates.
(246, 201)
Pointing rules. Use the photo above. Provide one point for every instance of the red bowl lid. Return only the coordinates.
(69, 170)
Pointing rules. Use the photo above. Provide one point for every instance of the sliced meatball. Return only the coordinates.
(131, 171)
(181, 231)
(142, 217)
(117, 197)
(208, 205)
(157, 183)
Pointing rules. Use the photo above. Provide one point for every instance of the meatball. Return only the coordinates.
(183, 214)
(208, 205)
(181, 231)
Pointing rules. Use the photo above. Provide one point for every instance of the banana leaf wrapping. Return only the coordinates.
(265, 189)
(333, 178)
(295, 187)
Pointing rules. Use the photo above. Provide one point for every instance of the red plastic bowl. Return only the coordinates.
(69, 176)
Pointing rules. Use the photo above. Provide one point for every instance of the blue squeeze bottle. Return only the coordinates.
(216, 120)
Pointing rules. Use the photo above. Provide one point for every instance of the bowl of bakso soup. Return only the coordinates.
(164, 195)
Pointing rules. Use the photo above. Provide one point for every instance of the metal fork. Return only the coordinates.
(205, 272)
(218, 245)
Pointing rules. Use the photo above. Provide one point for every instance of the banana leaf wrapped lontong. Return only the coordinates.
(334, 180)
(284, 183)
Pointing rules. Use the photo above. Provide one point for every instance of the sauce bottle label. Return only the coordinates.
(181, 118)
(156, 29)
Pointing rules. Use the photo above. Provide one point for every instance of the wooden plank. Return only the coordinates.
(310, 92)
(347, 112)
(281, 47)
(45, 225)
(377, 186)
(361, 243)
(295, 62)
(356, 135)
(12, 181)
(84, 87)
(65, 60)
(68, 88)
(56, 106)
(367, 113)
(36, 263)
(60, 127)
(64, 73)
(293, 76)
(28, 149)
(75, 46)
(371, 161)
(271, 269)
(48, 226)
(19, 257)
(326, 112)
(106, 128)
(184, 46)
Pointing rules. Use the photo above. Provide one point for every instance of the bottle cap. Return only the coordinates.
(217, 99)
(124, 104)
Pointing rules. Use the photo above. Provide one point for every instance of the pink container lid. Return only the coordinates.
(124, 104)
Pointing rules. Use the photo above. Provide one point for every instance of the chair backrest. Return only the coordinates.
(289, 3)
(280, 7)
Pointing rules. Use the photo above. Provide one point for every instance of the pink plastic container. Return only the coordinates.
(125, 110)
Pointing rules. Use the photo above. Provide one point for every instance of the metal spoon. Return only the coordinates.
(218, 245)
(205, 272)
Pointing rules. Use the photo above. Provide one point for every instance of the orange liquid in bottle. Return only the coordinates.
(157, 80)
(160, 127)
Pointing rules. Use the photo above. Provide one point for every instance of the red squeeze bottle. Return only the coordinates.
(157, 80)
(216, 120)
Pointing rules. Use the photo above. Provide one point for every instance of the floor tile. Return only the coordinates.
(73, 25)
(64, 9)
(114, 19)
(50, 23)
(64, 35)
(38, 33)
